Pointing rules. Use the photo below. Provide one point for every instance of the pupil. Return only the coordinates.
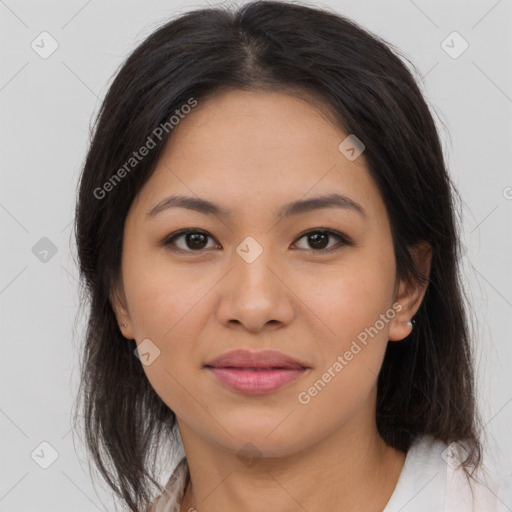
(318, 238)
(195, 238)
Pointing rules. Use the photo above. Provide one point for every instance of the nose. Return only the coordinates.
(255, 295)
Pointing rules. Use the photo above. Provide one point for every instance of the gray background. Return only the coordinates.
(47, 106)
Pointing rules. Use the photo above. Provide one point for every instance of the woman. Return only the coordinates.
(266, 232)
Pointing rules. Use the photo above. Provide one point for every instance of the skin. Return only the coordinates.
(252, 152)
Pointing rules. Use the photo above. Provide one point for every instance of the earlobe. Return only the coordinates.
(399, 330)
(118, 303)
(410, 295)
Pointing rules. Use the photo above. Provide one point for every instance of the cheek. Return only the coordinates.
(352, 352)
(354, 304)
(352, 297)
(170, 306)
(355, 307)
(161, 295)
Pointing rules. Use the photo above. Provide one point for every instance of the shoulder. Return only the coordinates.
(172, 495)
(434, 480)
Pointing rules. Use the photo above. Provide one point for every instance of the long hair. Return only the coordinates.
(426, 386)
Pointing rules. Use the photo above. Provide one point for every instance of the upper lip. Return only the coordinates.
(261, 359)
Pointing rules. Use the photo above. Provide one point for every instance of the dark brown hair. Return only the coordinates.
(426, 386)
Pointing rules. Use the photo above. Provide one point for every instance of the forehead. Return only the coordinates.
(257, 148)
(255, 124)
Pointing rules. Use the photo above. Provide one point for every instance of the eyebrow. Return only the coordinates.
(294, 208)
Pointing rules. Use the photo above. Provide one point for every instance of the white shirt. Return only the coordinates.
(430, 481)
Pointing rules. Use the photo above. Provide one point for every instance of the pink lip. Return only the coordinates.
(256, 382)
(256, 373)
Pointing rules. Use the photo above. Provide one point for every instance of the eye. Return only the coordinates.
(319, 239)
(193, 240)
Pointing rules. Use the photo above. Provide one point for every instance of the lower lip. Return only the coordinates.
(256, 382)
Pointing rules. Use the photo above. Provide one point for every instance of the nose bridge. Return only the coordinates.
(253, 296)
(252, 260)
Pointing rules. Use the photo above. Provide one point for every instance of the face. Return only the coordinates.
(317, 284)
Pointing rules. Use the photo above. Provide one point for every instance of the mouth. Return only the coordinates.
(256, 373)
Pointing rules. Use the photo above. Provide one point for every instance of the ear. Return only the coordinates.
(118, 301)
(410, 295)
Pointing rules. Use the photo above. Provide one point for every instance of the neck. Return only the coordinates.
(352, 469)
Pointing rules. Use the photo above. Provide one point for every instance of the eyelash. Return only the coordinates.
(344, 240)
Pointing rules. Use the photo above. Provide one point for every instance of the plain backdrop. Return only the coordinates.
(47, 105)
